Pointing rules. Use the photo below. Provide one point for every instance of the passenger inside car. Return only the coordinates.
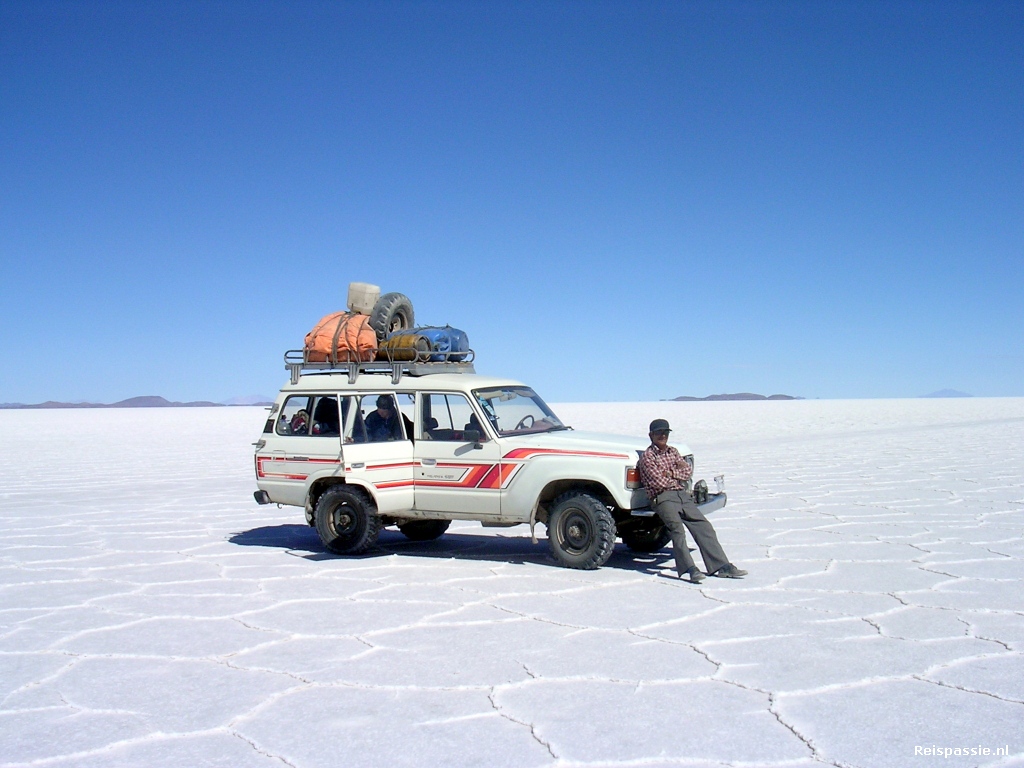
(325, 418)
(383, 423)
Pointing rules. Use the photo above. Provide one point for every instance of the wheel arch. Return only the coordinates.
(557, 488)
(319, 486)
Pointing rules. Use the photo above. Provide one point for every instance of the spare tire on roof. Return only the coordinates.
(392, 312)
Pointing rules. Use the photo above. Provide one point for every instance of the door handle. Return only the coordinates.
(428, 462)
(358, 464)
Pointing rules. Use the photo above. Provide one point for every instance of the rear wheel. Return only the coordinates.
(650, 538)
(581, 531)
(346, 520)
(424, 530)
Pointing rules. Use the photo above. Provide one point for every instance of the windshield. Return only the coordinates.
(516, 411)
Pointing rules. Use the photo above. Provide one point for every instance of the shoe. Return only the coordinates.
(729, 571)
(695, 574)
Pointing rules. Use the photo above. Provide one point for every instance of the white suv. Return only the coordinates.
(418, 445)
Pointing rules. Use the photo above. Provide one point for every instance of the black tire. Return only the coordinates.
(581, 531)
(346, 520)
(424, 530)
(392, 312)
(650, 538)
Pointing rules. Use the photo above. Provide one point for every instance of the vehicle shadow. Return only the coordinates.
(302, 541)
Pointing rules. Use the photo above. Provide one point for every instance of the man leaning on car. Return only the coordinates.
(664, 473)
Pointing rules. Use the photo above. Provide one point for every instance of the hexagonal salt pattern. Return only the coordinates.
(152, 614)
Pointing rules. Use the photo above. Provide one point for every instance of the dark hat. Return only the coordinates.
(660, 425)
(384, 401)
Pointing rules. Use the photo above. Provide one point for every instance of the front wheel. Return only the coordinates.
(581, 531)
(346, 520)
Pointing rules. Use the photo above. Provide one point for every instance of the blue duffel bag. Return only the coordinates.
(435, 344)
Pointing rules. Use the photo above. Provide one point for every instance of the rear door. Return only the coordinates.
(378, 447)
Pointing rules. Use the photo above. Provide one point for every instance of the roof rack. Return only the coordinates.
(296, 363)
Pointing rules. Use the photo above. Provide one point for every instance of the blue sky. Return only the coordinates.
(617, 201)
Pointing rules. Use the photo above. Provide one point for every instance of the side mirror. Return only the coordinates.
(473, 436)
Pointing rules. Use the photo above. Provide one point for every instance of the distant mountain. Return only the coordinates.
(155, 401)
(146, 401)
(948, 393)
(736, 396)
(50, 404)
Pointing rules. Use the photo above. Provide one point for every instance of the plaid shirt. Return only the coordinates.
(663, 470)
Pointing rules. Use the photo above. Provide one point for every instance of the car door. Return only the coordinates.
(379, 449)
(453, 474)
(306, 446)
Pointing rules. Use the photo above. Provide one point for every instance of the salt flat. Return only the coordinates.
(152, 614)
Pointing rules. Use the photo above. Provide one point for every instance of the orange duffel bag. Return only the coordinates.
(341, 337)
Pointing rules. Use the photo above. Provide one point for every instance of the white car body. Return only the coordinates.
(427, 473)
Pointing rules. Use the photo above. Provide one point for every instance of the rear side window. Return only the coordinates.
(310, 415)
(326, 421)
(294, 418)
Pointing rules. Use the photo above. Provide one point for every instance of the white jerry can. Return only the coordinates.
(362, 297)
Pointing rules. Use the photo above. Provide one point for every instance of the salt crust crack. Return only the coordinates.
(530, 726)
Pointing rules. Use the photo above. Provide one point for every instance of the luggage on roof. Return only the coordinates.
(362, 297)
(427, 344)
(341, 337)
(404, 346)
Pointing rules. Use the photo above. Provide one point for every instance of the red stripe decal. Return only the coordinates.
(507, 472)
(526, 453)
(491, 479)
(475, 475)
(499, 475)
(393, 484)
(262, 471)
(468, 480)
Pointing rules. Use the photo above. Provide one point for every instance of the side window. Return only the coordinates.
(407, 410)
(447, 417)
(294, 418)
(378, 420)
(352, 420)
(325, 421)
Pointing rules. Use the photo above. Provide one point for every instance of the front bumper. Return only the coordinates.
(714, 503)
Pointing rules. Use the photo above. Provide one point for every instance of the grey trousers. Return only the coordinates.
(676, 509)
